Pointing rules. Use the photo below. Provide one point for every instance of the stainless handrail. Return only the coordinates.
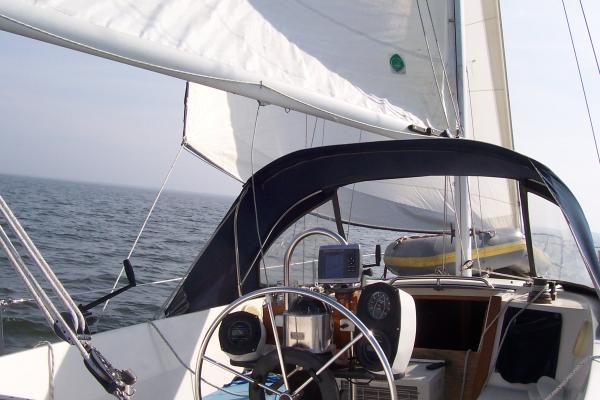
(51, 313)
(440, 278)
(78, 318)
(290, 251)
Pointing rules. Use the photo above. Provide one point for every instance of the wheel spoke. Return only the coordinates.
(278, 382)
(241, 376)
(268, 300)
(328, 363)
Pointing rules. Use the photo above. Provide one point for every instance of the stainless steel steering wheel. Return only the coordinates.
(267, 293)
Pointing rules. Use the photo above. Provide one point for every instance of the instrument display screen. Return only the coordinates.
(335, 265)
(340, 264)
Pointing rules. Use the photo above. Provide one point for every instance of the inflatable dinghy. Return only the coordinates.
(421, 255)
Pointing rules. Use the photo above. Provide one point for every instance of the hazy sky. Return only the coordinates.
(73, 116)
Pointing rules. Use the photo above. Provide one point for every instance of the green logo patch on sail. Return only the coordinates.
(397, 63)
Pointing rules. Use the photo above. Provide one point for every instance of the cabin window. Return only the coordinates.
(555, 252)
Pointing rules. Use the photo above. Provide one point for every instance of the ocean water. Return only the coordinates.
(84, 231)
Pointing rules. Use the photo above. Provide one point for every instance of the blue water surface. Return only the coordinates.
(85, 230)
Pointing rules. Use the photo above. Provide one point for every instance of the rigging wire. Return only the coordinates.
(581, 80)
(304, 217)
(458, 228)
(316, 218)
(260, 243)
(312, 140)
(473, 227)
(135, 242)
(352, 196)
(514, 296)
(444, 271)
(314, 272)
(507, 329)
(162, 188)
(444, 72)
(12, 301)
(437, 84)
(478, 178)
(456, 113)
(571, 374)
(589, 35)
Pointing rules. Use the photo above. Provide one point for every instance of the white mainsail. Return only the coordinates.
(322, 70)
(356, 40)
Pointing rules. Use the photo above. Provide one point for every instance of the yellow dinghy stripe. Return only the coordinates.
(434, 261)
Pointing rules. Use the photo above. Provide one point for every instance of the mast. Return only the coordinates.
(462, 244)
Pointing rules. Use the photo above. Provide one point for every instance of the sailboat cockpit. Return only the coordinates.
(424, 260)
(504, 323)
